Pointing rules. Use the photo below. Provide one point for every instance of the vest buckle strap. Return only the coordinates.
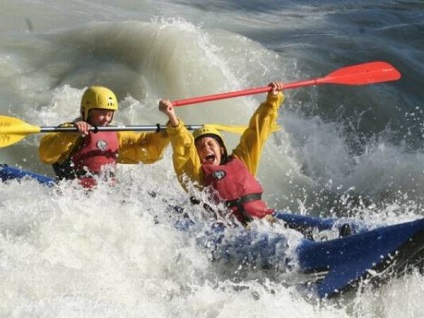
(244, 199)
(246, 218)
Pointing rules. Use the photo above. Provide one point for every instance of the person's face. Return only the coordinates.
(100, 117)
(209, 150)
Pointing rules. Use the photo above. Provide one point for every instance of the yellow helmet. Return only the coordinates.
(97, 97)
(210, 131)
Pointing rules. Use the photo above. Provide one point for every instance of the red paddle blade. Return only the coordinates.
(363, 74)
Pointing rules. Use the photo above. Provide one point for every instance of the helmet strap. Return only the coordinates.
(224, 156)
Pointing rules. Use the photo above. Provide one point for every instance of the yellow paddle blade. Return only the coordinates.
(13, 130)
(229, 128)
(237, 129)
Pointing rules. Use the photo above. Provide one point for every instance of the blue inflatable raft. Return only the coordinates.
(329, 267)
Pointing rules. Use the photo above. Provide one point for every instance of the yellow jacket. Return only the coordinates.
(133, 147)
(262, 123)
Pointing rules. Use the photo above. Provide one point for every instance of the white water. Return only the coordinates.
(65, 254)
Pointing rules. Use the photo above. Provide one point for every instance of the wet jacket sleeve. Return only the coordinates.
(262, 123)
(56, 147)
(141, 147)
(184, 155)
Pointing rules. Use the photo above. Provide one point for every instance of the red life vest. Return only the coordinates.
(236, 186)
(98, 153)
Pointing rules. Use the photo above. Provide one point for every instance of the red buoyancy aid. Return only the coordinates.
(97, 151)
(238, 188)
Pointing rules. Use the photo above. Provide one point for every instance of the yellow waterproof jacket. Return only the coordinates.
(262, 123)
(134, 147)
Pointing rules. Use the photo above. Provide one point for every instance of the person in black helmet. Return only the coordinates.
(203, 158)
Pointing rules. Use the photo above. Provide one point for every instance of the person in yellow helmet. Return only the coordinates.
(85, 155)
(203, 158)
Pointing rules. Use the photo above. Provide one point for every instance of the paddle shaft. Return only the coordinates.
(361, 74)
(156, 127)
(13, 129)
